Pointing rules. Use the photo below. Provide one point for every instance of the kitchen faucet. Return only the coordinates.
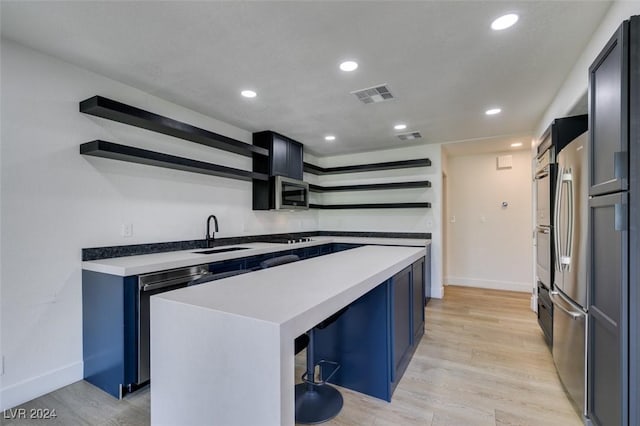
(211, 235)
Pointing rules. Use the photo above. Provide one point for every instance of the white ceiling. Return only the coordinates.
(440, 59)
(488, 145)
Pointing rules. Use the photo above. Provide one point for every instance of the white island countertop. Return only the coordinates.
(146, 263)
(222, 353)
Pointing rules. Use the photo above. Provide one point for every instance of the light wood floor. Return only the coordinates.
(482, 361)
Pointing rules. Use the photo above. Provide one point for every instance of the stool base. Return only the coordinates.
(317, 404)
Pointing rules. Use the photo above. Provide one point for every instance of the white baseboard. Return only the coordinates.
(26, 390)
(489, 284)
(438, 292)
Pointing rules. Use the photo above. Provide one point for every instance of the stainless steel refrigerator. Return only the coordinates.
(569, 292)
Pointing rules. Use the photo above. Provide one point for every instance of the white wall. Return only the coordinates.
(444, 212)
(55, 202)
(488, 245)
(577, 81)
(389, 220)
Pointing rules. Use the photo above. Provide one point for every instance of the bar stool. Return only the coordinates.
(318, 402)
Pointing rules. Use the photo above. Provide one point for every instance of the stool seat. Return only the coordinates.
(218, 276)
(281, 260)
(301, 342)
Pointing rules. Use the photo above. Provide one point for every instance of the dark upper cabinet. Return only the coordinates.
(284, 159)
(609, 116)
(285, 155)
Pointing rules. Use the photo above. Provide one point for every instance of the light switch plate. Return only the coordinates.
(505, 161)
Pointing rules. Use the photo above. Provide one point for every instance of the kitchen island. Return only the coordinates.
(223, 352)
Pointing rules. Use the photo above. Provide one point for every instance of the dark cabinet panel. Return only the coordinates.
(417, 287)
(402, 330)
(295, 160)
(109, 331)
(545, 313)
(279, 157)
(285, 155)
(359, 342)
(374, 339)
(608, 112)
(634, 220)
(607, 374)
(427, 275)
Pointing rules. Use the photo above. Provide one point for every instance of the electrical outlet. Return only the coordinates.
(127, 230)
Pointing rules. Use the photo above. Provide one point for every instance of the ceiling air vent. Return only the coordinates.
(409, 136)
(374, 94)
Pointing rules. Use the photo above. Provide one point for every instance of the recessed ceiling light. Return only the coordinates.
(329, 138)
(493, 111)
(248, 93)
(349, 66)
(400, 126)
(516, 144)
(504, 22)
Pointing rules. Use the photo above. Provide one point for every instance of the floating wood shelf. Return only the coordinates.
(371, 186)
(405, 164)
(117, 111)
(114, 151)
(371, 206)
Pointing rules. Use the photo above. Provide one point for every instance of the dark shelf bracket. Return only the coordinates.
(405, 164)
(117, 111)
(371, 206)
(371, 186)
(114, 151)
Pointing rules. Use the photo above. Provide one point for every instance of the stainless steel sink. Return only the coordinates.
(220, 250)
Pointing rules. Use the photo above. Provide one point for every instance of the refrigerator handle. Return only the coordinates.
(568, 177)
(556, 219)
(553, 295)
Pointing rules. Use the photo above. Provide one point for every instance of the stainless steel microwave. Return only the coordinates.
(290, 194)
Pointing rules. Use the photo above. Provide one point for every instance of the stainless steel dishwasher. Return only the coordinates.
(148, 285)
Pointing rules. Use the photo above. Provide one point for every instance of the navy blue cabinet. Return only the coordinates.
(285, 155)
(417, 288)
(613, 336)
(284, 159)
(375, 338)
(109, 331)
(311, 252)
(110, 318)
(336, 247)
(227, 265)
(401, 296)
(427, 275)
